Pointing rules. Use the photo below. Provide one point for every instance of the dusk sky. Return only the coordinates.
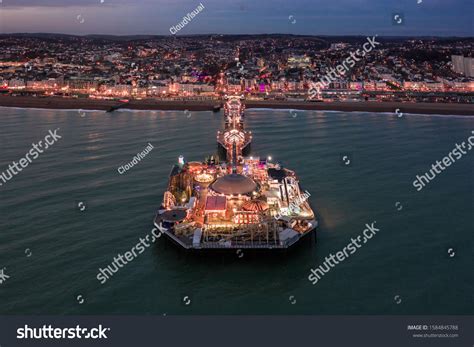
(315, 17)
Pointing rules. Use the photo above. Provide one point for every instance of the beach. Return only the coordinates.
(156, 104)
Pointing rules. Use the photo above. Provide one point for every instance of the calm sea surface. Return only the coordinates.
(52, 251)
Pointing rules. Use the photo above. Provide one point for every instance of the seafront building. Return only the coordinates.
(263, 66)
(463, 65)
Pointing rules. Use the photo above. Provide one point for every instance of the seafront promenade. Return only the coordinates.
(157, 104)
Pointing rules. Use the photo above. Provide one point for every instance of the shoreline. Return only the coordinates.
(154, 104)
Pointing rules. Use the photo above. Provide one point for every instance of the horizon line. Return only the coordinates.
(215, 34)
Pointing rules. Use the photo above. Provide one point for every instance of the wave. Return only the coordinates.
(252, 110)
(51, 109)
(360, 112)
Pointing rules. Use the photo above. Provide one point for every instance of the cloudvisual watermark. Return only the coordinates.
(352, 247)
(447, 161)
(136, 159)
(294, 205)
(37, 148)
(186, 19)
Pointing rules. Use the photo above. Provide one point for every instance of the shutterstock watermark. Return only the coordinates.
(3, 276)
(136, 159)
(186, 19)
(447, 161)
(344, 67)
(123, 259)
(48, 332)
(37, 148)
(352, 247)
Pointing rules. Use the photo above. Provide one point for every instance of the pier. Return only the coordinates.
(239, 202)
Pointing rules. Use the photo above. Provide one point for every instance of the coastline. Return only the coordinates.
(154, 104)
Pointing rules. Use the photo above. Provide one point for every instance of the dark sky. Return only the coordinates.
(317, 17)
